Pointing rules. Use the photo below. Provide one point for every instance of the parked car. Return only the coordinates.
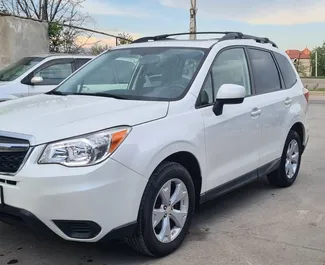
(131, 143)
(37, 74)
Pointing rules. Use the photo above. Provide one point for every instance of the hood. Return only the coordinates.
(49, 118)
(2, 83)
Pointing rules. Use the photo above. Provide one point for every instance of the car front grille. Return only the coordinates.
(12, 154)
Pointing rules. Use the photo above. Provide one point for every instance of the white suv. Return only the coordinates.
(133, 141)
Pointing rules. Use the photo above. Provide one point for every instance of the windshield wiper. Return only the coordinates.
(101, 94)
(55, 92)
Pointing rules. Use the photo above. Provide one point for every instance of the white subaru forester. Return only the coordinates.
(133, 141)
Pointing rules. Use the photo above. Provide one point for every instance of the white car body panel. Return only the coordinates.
(62, 116)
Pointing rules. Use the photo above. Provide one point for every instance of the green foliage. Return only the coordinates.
(320, 60)
(55, 36)
(127, 38)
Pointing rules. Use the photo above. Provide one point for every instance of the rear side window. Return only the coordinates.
(287, 71)
(80, 62)
(266, 75)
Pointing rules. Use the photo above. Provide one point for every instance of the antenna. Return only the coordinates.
(193, 12)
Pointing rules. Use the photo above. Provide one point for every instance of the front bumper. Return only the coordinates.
(96, 201)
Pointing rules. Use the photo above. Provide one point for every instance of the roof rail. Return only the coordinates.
(166, 36)
(228, 35)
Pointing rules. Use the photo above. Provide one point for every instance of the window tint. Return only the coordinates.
(266, 74)
(206, 94)
(55, 73)
(81, 62)
(287, 71)
(231, 67)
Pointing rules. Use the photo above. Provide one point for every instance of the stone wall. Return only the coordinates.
(21, 37)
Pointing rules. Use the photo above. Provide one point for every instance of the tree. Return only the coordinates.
(125, 36)
(97, 48)
(55, 12)
(320, 60)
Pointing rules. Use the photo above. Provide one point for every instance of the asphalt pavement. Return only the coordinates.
(255, 225)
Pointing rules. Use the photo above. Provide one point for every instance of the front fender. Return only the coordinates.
(151, 143)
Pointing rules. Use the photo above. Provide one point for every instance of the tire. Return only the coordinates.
(146, 240)
(282, 177)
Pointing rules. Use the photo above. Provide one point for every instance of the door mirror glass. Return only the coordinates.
(37, 80)
(228, 94)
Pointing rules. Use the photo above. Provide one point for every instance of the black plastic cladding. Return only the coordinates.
(227, 36)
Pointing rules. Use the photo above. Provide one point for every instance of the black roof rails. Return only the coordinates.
(228, 35)
(166, 36)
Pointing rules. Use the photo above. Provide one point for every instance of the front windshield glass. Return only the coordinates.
(162, 73)
(13, 71)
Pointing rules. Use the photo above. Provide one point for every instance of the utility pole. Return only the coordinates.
(193, 12)
(316, 59)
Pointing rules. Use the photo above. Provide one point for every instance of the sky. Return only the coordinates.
(292, 24)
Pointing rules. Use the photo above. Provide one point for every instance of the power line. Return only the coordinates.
(69, 26)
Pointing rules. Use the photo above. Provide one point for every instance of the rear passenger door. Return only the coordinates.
(272, 100)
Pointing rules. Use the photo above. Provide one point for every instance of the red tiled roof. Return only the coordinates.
(295, 54)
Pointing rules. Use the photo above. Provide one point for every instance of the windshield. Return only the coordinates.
(162, 73)
(13, 71)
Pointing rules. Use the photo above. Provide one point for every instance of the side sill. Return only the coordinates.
(239, 182)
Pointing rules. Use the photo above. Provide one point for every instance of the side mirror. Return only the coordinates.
(36, 80)
(228, 94)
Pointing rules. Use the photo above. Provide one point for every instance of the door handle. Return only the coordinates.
(288, 102)
(256, 112)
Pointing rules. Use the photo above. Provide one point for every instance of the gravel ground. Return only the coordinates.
(256, 224)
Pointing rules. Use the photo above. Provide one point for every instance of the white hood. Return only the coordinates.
(49, 118)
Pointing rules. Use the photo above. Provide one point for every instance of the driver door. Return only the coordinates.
(52, 73)
(233, 138)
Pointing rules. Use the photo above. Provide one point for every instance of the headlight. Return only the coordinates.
(85, 150)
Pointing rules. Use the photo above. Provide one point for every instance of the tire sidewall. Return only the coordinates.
(153, 244)
(291, 136)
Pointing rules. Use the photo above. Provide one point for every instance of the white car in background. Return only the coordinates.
(37, 74)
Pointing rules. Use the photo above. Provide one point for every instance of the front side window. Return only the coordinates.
(155, 73)
(230, 67)
(55, 73)
(266, 74)
(15, 70)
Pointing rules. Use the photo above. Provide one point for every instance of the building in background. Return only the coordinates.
(302, 61)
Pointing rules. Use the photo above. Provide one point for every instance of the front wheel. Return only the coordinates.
(289, 167)
(166, 211)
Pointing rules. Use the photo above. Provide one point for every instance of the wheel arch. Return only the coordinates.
(185, 155)
(191, 164)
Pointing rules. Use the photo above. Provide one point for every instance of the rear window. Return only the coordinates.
(287, 71)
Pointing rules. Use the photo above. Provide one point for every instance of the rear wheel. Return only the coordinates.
(166, 211)
(289, 167)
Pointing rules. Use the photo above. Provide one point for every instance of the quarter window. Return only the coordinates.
(266, 74)
(231, 67)
(287, 71)
(206, 95)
